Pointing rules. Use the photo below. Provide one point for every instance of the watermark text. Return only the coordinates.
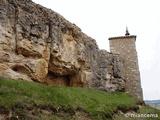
(141, 115)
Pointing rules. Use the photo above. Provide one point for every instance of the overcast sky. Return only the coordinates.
(101, 19)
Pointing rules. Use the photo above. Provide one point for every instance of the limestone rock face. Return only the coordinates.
(38, 44)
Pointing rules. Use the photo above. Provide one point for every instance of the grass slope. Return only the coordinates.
(19, 96)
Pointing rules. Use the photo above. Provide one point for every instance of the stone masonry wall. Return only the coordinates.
(125, 47)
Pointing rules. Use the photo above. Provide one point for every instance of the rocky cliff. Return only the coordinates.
(37, 44)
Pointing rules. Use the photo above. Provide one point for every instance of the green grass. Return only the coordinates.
(23, 94)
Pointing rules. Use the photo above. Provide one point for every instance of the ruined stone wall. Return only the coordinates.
(37, 44)
(125, 47)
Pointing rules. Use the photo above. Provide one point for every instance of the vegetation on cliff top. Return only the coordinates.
(29, 100)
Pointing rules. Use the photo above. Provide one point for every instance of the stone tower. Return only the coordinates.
(126, 48)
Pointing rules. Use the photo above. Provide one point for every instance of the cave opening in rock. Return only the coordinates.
(55, 80)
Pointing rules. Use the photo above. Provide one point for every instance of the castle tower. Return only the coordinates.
(125, 46)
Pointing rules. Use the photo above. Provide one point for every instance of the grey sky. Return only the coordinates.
(102, 19)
